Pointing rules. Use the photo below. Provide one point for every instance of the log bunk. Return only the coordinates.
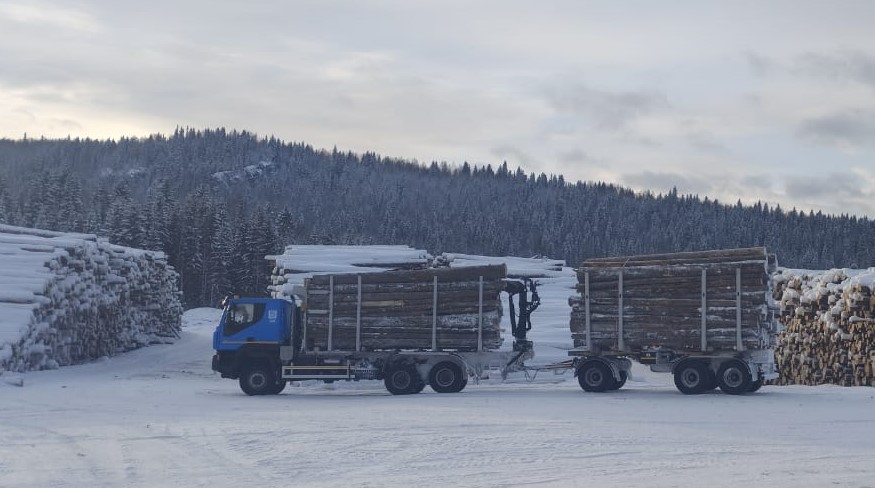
(686, 302)
(829, 327)
(69, 298)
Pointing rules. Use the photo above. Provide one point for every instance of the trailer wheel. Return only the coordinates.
(403, 380)
(692, 377)
(595, 376)
(259, 379)
(446, 377)
(756, 385)
(734, 377)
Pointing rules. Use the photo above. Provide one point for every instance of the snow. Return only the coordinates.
(160, 417)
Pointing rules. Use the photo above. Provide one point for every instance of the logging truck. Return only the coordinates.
(408, 328)
(705, 317)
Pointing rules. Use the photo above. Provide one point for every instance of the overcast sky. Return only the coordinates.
(750, 100)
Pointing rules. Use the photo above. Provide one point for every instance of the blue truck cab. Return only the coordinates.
(248, 338)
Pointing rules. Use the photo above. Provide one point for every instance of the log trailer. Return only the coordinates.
(721, 337)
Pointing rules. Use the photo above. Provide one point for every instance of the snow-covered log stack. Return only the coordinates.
(829, 327)
(69, 298)
(657, 301)
(298, 263)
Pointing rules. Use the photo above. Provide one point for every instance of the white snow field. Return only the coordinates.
(160, 417)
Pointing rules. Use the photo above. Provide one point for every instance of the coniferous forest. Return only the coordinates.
(218, 201)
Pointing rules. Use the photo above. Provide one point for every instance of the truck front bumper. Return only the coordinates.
(225, 363)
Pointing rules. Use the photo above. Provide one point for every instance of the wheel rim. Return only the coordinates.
(593, 377)
(257, 380)
(691, 378)
(401, 380)
(445, 377)
(733, 377)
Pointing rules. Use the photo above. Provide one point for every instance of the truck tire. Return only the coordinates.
(403, 380)
(623, 377)
(259, 379)
(734, 377)
(595, 376)
(446, 377)
(279, 387)
(692, 377)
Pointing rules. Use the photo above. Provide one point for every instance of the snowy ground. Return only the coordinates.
(159, 417)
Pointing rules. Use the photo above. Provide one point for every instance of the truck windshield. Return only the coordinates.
(239, 316)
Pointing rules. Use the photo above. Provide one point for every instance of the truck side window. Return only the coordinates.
(241, 316)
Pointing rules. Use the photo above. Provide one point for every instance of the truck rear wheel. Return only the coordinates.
(595, 376)
(692, 377)
(447, 377)
(403, 380)
(734, 377)
(260, 379)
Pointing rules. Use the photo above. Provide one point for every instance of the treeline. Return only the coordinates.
(218, 201)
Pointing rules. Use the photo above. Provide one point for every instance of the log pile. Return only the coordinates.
(397, 309)
(297, 263)
(661, 301)
(70, 298)
(829, 327)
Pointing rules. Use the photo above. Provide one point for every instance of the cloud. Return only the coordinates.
(845, 65)
(606, 110)
(847, 129)
(706, 143)
(63, 18)
(761, 65)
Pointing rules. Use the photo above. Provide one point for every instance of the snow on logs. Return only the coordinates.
(68, 298)
(829, 327)
(403, 305)
(637, 302)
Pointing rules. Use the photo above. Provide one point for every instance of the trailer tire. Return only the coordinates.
(692, 377)
(595, 376)
(403, 380)
(734, 377)
(259, 379)
(446, 377)
(756, 385)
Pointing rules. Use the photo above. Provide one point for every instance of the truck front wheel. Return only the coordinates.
(447, 377)
(595, 376)
(403, 380)
(260, 379)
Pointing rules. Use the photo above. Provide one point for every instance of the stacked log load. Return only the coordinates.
(661, 301)
(397, 297)
(400, 308)
(68, 298)
(829, 327)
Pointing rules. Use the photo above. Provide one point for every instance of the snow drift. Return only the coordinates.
(68, 298)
